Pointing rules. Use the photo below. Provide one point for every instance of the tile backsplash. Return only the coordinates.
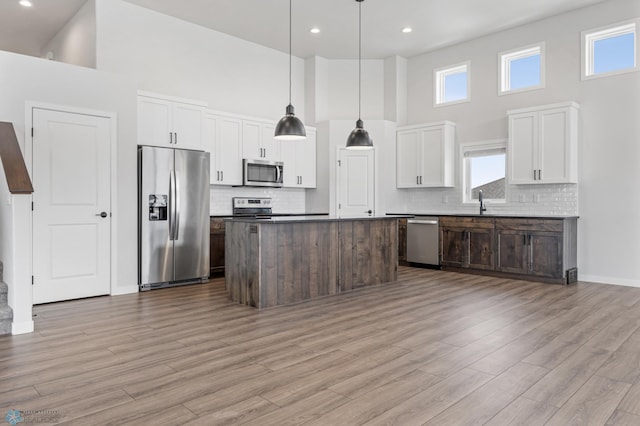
(537, 200)
(285, 200)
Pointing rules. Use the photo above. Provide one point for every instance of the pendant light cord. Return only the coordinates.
(359, 58)
(290, 15)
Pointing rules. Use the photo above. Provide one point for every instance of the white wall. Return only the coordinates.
(27, 79)
(343, 90)
(171, 56)
(609, 152)
(75, 43)
(395, 90)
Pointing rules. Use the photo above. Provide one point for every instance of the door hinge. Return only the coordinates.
(32, 206)
(32, 132)
(339, 206)
(32, 280)
(339, 163)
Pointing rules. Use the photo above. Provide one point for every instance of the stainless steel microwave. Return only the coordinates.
(262, 173)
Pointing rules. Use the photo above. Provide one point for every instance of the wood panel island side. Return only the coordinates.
(284, 260)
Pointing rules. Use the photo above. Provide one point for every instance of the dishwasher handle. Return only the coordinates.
(422, 222)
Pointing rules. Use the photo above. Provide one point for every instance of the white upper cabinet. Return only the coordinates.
(299, 158)
(543, 144)
(170, 123)
(258, 142)
(223, 140)
(425, 155)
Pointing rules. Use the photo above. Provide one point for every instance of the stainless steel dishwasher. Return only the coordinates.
(423, 240)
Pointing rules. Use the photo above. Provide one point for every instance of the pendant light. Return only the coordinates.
(290, 127)
(359, 137)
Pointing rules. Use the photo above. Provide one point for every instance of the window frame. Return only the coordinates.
(475, 147)
(589, 37)
(439, 75)
(504, 61)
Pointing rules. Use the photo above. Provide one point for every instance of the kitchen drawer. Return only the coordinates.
(466, 222)
(538, 225)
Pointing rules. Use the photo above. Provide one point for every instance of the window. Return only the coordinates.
(608, 51)
(484, 168)
(522, 69)
(451, 84)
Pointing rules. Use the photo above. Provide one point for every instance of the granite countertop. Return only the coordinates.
(225, 216)
(488, 215)
(311, 218)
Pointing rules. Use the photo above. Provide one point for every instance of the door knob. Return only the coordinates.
(369, 211)
(102, 214)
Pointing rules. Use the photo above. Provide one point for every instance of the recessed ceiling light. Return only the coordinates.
(314, 30)
(25, 3)
(407, 30)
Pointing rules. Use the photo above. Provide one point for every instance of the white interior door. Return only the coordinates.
(71, 216)
(356, 186)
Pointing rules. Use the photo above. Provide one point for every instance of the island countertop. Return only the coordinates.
(312, 218)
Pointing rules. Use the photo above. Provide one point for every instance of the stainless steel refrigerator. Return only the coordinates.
(173, 217)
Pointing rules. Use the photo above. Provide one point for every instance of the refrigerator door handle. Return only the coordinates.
(172, 205)
(176, 207)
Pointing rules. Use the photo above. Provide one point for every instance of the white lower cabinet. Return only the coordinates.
(223, 140)
(299, 158)
(543, 144)
(425, 155)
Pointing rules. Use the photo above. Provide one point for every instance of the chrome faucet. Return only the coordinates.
(482, 207)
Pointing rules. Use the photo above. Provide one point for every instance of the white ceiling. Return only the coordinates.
(435, 23)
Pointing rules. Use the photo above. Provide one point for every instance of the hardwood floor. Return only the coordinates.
(433, 348)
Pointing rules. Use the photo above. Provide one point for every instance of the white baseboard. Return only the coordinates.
(22, 327)
(125, 290)
(608, 280)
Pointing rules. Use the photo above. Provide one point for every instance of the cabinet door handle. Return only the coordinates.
(530, 255)
(176, 137)
(539, 174)
(222, 176)
(420, 180)
(218, 176)
(170, 138)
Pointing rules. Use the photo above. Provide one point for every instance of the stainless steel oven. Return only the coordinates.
(251, 207)
(262, 173)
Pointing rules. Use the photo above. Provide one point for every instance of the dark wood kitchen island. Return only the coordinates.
(284, 260)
